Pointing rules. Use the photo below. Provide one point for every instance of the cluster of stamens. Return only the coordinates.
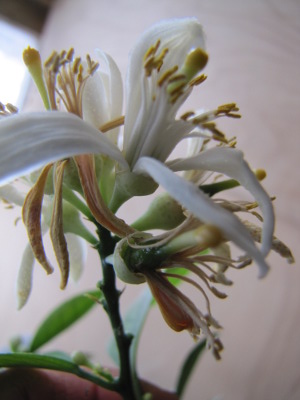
(205, 120)
(65, 78)
(176, 81)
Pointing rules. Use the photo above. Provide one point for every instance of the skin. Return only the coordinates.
(30, 384)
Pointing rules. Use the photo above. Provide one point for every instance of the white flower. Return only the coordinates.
(163, 69)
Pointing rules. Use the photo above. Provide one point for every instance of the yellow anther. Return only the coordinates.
(89, 61)
(198, 80)
(76, 64)
(70, 54)
(112, 124)
(187, 115)
(260, 174)
(155, 62)
(50, 60)
(167, 75)
(62, 54)
(152, 50)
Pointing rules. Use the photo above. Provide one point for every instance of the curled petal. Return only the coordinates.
(29, 141)
(178, 311)
(32, 218)
(56, 227)
(93, 197)
(202, 207)
(231, 162)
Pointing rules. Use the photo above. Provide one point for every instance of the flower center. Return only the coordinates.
(65, 78)
(175, 80)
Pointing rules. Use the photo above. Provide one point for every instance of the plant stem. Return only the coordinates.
(124, 384)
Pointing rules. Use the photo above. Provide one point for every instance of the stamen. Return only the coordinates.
(70, 54)
(167, 75)
(152, 50)
(187, 115)
(198, 80)
(154, 62)
(112, 124)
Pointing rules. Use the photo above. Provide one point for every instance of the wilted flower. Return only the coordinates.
(200, 250)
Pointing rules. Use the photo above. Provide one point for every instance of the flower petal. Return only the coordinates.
(29, 141)
(99, 209)
(32, 218)
(103, 93)
(180, 36)
(231, 162)
(12, 195)
(24, 280)
(202, 207)
(77, 254)
(56, 228)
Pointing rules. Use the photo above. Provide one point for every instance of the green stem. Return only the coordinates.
(124, 384)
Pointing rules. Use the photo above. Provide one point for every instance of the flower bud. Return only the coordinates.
(163, 213)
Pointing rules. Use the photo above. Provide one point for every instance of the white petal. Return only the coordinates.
(24, 280)
(114, 86)
(103, 92)
(11, 194)
(180, 36)
(202, 207)
(77, 255)
(231, 162)
(29, 141)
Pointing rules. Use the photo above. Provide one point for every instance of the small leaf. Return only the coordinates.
(62, 318)
(26, 360)
(188, 367)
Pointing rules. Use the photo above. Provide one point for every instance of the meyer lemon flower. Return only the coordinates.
(164, 67)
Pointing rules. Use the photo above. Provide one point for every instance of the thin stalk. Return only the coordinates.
(124, 384)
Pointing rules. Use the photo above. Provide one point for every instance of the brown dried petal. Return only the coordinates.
(32, 218)
(56, 229)
(102, 214)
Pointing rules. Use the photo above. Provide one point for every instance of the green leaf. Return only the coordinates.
(27, 360)
(188, 367)
(62, 318)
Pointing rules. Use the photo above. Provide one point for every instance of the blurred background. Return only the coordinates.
(254, 49)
